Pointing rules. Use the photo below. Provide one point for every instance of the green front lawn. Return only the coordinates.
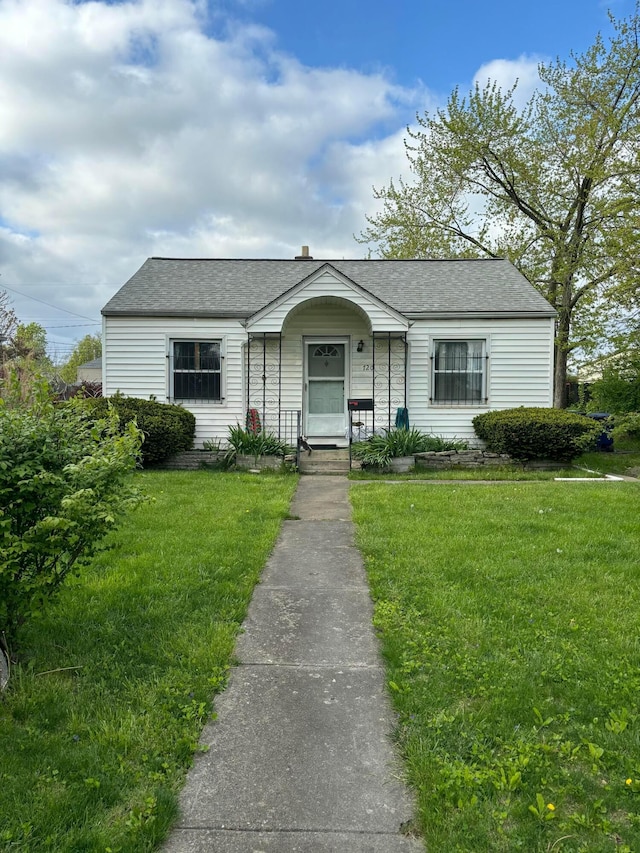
(510, 623)
(102, 717)
(625, 463)
(488, 472)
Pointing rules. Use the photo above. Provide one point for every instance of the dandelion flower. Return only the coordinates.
(551, 807)
(629, 781)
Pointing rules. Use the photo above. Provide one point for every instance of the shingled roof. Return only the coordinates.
(179, 287)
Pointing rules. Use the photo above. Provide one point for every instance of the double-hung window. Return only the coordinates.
(196, 370)
(459, 372)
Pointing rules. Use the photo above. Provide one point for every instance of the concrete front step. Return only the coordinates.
(334, 461)
(335, 454)
(324, 467)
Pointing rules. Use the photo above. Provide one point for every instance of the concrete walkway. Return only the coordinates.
(299, 759)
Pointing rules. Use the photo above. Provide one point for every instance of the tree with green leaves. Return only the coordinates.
(87, 349)
(25, 358)
(553, 186)
(30, 343)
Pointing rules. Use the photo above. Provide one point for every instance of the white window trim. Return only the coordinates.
(483, 402)
(206, 339)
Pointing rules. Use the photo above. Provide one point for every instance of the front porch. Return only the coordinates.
(303, 386)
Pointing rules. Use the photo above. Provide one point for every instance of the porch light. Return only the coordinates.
(360, 346)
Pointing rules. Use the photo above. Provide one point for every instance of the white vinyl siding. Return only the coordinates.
(136, 362)
(519, 370)
(519, 367)
(328, 287)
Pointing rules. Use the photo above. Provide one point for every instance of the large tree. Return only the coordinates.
(552, 186)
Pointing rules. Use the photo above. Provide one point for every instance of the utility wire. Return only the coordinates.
(48, 304)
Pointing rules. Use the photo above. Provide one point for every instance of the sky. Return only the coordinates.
(230, 129)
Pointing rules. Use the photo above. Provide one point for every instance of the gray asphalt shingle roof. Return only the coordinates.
(239, 288)
(94, 364)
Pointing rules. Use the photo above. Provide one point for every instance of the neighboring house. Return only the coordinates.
(443, 339)
(90, 371)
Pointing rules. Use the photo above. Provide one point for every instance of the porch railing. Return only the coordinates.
(291, 430)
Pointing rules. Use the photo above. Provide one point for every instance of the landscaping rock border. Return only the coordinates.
(192, 460)
(468, 458)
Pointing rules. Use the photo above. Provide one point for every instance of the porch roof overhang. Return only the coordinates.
(327, 282)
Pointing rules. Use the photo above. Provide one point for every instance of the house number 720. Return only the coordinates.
(366, 367)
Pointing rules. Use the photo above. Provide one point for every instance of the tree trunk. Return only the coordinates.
(560, 368)
(560, 380)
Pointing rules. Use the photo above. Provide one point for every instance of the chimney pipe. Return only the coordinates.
(305, 256)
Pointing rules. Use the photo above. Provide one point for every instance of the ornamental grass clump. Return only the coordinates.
(379, 450)
(245, 442)
(535, 433)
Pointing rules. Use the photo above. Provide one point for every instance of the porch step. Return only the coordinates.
(325, 462)
(335, 454)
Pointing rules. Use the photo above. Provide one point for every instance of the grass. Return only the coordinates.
(509, 621)
(625, 463)
(102, 716)
(498, 472)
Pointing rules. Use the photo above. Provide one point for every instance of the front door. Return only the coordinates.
(326, 370)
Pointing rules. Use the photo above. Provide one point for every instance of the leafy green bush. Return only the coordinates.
(244, 442)
(64, 480)
(380, 449)
(619, 388)
(532, 433)
(627, 426)
(167, 429)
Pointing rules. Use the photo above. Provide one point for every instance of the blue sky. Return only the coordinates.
(239, 128)
(440, 43)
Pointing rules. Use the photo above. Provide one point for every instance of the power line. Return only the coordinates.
(43, 321)
(49, 304)
(73, 326)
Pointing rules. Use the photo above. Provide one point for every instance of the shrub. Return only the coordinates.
(167, 429)
(619, 388)
(380, 449)
(537, 433)
(627, 426)
(64, 480)
(245, 442)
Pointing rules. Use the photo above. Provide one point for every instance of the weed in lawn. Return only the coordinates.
(509, 625)
(92, 754)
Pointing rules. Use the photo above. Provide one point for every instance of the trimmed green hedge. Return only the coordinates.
(167, 429)
(537, 433)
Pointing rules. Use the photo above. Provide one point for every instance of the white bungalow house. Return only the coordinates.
(294, 341)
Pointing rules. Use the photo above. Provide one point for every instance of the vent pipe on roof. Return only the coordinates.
(305, 256)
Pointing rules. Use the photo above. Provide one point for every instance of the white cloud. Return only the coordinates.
(126, 130)
(506, 72)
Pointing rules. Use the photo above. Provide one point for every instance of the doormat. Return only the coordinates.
(324, 446)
